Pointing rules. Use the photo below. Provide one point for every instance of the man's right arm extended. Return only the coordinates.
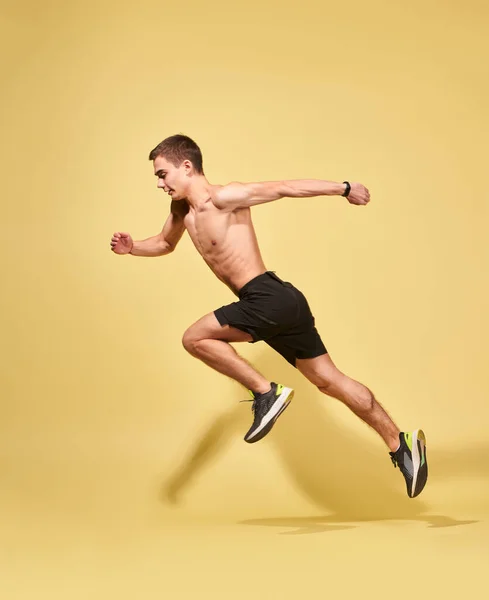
(157, 245)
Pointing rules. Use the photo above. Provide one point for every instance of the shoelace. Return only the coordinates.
(394, 461)
(253, 406)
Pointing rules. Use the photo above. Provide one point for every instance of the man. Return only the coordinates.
(218, 220)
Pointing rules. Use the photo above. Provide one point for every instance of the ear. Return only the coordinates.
(188, 166)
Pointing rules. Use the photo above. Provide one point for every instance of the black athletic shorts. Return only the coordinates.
(276, 312)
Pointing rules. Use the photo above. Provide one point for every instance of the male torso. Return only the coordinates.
(225, 239)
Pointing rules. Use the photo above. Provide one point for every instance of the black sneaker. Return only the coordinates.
(267, 408)
(410, 457)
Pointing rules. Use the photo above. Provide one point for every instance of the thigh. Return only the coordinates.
(321, 371)
(208, 327)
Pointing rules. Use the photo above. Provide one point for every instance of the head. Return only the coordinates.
(177, 160)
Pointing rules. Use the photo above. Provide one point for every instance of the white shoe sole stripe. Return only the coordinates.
(277, 407)
(416, 461)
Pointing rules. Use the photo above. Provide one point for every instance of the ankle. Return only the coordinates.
(262, 389)
(394, 444)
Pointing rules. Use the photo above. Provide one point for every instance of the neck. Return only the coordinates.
(199, 193)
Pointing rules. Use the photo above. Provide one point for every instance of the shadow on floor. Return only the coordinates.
(319, 524)
(350, 477)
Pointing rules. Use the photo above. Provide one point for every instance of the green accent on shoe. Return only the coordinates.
(280, 389)
(251, 394)
(408, 438)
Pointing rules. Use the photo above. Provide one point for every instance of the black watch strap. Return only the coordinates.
(348, 189)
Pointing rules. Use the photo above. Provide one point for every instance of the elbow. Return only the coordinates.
(286, 190)
(167, 247)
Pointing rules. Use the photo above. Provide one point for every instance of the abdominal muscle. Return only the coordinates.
(227, 242)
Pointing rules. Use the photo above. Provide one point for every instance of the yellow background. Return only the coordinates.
(123, 469)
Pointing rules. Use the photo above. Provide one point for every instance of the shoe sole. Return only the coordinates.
(419, 445)
(272, 415)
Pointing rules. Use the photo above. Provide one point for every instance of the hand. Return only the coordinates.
(121, 243)
(358, 194)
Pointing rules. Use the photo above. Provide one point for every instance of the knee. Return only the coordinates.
(352, 393)
(326, 387)
(365, 401)
(332, 383)
(190, 342)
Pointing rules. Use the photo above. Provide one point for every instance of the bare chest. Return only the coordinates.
(208, 228)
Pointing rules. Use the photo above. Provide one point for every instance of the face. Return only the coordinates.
(173, 180)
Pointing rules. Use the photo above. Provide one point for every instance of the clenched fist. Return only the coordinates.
(358, 194)
(121, 243)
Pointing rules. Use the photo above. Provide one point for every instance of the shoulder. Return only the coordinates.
(228, 196)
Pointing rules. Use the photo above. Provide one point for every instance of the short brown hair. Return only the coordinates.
(178, 148)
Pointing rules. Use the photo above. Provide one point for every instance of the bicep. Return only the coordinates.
(174, 226)
(242, 195)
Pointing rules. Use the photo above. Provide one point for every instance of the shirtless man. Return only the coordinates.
(218, 220)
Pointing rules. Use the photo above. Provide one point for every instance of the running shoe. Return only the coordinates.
(266, 409)
(410, 457)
